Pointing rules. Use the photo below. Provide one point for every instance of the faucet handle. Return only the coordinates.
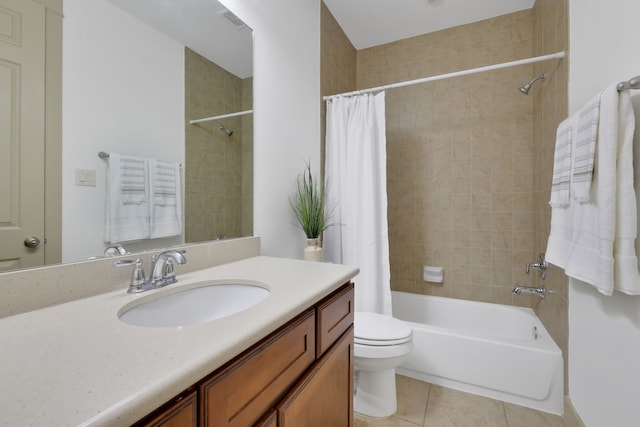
(115, 249)
(540, 265)
(138, 280)
(168, 273)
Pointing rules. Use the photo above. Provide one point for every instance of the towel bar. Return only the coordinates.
(105, 155)
(633, 83)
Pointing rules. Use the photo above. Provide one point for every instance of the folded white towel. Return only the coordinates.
(562, 165)
(560, 243)
(166, 198)
(584, 150)
(591, 259)
(127, 206)
(627, 276)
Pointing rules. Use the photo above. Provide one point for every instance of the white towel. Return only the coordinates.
(166, 198)
(562, 165)
(127, 206)
(584, 149)
(591, 259)
(627, 277)
(559, 243)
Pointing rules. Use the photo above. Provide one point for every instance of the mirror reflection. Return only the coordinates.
(134, 73)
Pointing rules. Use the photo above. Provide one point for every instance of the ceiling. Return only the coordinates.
(367, 23)
(370, 23)
(198, 25)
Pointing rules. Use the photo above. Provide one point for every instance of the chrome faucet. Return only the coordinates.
(529, 290)
(162, 271)
(541, 266)
(115, 250)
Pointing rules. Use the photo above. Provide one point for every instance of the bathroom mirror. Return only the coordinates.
(209, 42)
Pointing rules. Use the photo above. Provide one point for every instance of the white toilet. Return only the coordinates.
(381, 343)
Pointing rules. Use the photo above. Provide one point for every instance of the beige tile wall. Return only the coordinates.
(246, 125)
(337, 63)
(469, 159)
(550, 108)
(218, 167)
(460, 159)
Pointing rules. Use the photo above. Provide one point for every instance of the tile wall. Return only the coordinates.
(338, 65)
(470, 159)
(550, 108)
(218, 167)
(460, 159)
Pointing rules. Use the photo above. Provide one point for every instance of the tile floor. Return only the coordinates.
(428, 405)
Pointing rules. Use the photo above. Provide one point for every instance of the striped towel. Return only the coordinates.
(585, 150)
(562, 165)
(166, 199)
(133, 180)
(127, 204)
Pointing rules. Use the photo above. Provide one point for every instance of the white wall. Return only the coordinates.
(123, 91)
(286, 101)
(604, 332)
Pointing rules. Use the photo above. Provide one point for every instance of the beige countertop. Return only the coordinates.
(77, 364)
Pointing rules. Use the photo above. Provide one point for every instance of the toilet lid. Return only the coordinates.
(380, 329)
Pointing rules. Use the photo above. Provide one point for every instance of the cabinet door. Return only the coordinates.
(270, 420)
(182, 413)
(324, 396)
(241, 393)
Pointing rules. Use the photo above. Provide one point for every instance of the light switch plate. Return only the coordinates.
(86, 177)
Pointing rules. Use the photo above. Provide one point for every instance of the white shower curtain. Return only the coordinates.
(356, 173)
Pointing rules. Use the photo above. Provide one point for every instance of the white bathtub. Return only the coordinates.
(499, 351)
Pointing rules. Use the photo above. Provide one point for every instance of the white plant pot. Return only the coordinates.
(313, 251)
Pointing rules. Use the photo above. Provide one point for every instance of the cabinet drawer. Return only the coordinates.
(241, 393)
(334, 316)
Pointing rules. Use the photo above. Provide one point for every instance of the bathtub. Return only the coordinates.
(498, 351)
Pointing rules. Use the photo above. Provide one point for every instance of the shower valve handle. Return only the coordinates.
(541, 266)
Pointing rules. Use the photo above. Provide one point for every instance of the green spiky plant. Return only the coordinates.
(309, 203)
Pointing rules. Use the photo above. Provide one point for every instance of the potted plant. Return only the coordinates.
(309, 204)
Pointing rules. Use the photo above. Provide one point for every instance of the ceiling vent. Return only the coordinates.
(232, 18)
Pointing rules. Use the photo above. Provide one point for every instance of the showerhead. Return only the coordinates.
(525, 89)
(225, 130)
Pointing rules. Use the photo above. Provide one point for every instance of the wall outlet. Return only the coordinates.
(86, 177)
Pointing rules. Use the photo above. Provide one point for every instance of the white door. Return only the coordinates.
(22, 95)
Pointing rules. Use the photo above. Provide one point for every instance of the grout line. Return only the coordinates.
(426, 408)
(504, 412)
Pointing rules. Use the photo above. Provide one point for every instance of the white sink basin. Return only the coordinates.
(192, 304)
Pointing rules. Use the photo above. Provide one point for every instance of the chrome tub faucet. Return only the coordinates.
(529, 290)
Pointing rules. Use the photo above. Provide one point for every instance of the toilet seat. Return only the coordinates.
(375, 329)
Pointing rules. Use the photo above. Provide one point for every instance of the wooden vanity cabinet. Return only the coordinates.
(324, 396)
(300, 375)
(239, 394)
(269, 420)
(180, 412)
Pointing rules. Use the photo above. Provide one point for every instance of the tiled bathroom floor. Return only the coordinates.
(428, 405)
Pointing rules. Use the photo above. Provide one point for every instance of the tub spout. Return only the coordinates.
(529, 290)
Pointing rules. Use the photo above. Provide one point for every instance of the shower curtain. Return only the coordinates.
(356, 173)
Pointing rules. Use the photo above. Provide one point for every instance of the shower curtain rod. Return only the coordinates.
(223, 116)
(556, 55)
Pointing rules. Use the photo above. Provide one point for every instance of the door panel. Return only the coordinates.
(22, 101)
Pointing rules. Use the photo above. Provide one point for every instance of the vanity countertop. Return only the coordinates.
(78, 364)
